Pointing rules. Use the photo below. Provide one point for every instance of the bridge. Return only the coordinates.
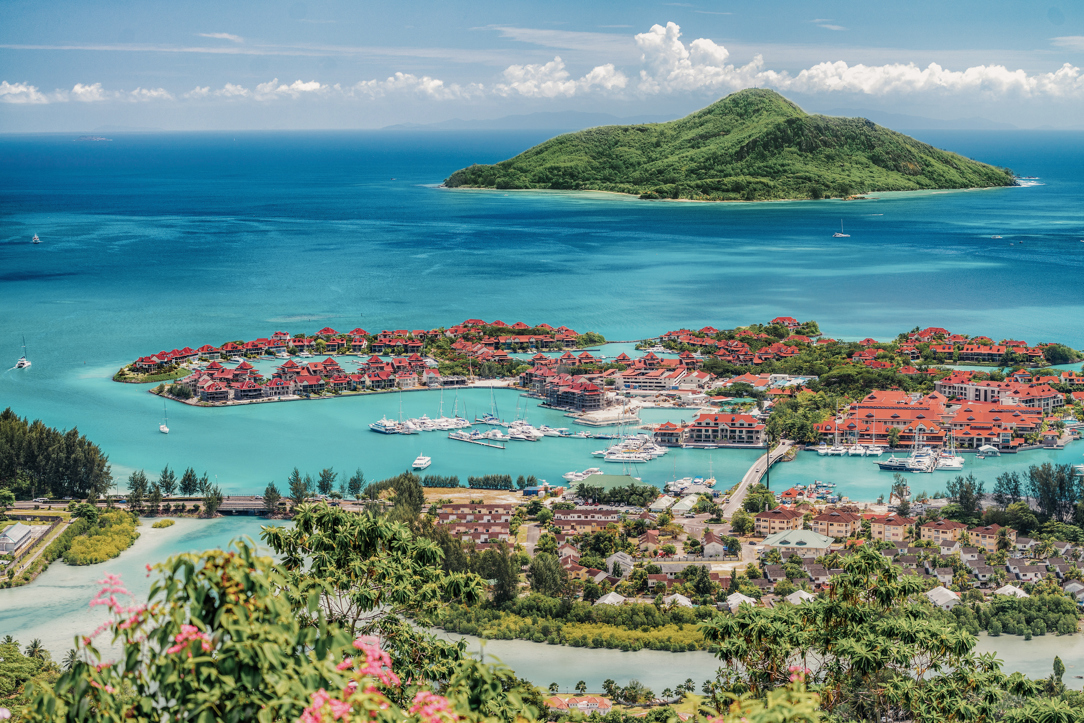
(753, 476)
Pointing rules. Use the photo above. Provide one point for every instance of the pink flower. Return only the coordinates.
(377, 661)
(5, 714)
(432, 708)
(189, 633)
(345, 665)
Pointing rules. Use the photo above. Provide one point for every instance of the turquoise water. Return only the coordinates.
(54, 608)
(156, 241)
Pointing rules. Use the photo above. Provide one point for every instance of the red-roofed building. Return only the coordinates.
(743, 429)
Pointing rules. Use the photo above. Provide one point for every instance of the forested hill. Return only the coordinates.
(752, 145)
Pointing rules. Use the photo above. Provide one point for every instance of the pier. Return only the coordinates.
(753, 476)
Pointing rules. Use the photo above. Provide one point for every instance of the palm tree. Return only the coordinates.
(581, 687)
(69, 659)
(35, 649)
(8, 640)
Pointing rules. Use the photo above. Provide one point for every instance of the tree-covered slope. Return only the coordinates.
(752, 145)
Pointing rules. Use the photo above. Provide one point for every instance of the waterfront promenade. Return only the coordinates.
(753, 476)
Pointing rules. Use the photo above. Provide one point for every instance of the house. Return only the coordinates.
(736, 600)
(804, 543)
(712, 545)
(584, 704)
(780, 519)
(891, 528)
(941, 530)
(943, 598)
(678, 600)
(799, 596)
(835, 523)
(729, 429)
(14, 538)
(1030, 573)
(610, 598)
(986, 537)
(1012, 591)
(621, 560)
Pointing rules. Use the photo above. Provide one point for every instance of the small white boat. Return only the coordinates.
(822, 449)
(856, 451)
(35, 239)
(950, 462)
(385, 426)
(421, 462)
(837, 451)
(839, 233)
(165, 418)
(304, 355)
(23, 362)
(236, 360)
(282, 355)
(995, 236)
(872, 450)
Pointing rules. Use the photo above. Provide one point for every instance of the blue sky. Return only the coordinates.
(351, 64)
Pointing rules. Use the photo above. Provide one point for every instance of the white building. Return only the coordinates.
(943, 598)
(14, 537)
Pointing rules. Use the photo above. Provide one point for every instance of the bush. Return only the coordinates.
(163, 523)
(115, 534)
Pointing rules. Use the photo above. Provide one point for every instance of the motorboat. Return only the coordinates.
(35, 239)
(575, 476)
(894, 464)
(839, 233)
(236, 360)
(496, 435)
(408, 427)
(305, 355)
(385, 426)
(581, 435)
(822, 449)
(282, 355)
(626, 456)
(950, 462)
(23, 362)
(421, 462)
(163, 428)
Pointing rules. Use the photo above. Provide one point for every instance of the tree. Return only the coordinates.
(1008, 488)
(7, 501)
(204, 484)
(581, 687)
(326, 481)
(545, 516)
(167, 481)
(154, 498)
(212, 500)
(893, 437)
(609, 687)
(271, 498)
(234, 611)
(137, 489)
(299, 490)
(546, 543)
(554, 688)
(86, 511)
(36, 650)
(356, 483)
(69, 659)
(546, 575)
(742, 523)
(369, 573)
(189, 483)
(966, 493)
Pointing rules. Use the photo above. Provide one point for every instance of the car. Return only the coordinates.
(67, 499)
(41, 500)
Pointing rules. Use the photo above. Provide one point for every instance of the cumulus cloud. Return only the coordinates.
(21, 93)
(550, 80)
(88, 93)
(272, 89)
(424, 86)
(222, 36)
(141, 94)
(198, 92)
(671, 66)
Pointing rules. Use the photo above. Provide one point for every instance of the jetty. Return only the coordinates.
(753, 476)
(482, 442)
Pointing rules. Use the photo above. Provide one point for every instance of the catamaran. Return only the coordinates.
(165, 419)
(23, 362)
(839, 233)
(422, 462)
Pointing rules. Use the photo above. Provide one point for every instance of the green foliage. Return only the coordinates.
(566, 622)
(546, 575)
(633, 495)
(226, 637)
(160, 524)
(751, 145)
(212, 500)
(491, 482)
(271, 498)
(35, 459)
(369, 573)
(114, 534)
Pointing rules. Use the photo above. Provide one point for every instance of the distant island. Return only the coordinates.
(92, 139)
(752, 145)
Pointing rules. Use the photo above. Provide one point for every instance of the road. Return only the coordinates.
(26, 562)
(752, 477)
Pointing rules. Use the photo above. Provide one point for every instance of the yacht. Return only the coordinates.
(856, 451)
(582, 435)
(626, 456)
(895, 463)
(872, 450)
(35, 239)
(950, 462)
(496, 435)
(839, 233)
(408, 427)
(165, 418)
(23, 362)
(837, 451)
(282, 355)
(575, 476)
(236, 360)
(822, 449)
(421, 462)
(385, 426)
(305, 355)
(464, 436)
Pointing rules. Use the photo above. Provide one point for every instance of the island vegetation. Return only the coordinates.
(751, 145)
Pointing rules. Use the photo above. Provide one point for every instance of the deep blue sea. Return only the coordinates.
(158, 241)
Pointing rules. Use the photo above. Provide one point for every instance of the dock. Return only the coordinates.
(477, 441)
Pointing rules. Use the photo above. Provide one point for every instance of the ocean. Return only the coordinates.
(156, 241)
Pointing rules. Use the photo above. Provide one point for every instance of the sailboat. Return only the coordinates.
(710, 481)
(839, 233)
(36, 239)
(165, 418)
(23, 362)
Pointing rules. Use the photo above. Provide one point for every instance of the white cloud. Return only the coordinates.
(88, 93)
(550, 80)
(21, 93)
(198, 92)
(673, 67)
(410, 83)
(1070, 42)
(222, 36)
(140, 94)
(233, 91)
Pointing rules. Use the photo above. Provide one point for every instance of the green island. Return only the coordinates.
(753, 145)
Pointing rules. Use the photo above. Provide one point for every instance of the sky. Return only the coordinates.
(306, 64)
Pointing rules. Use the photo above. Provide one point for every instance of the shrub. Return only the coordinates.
(115, 534)
(163, 523)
